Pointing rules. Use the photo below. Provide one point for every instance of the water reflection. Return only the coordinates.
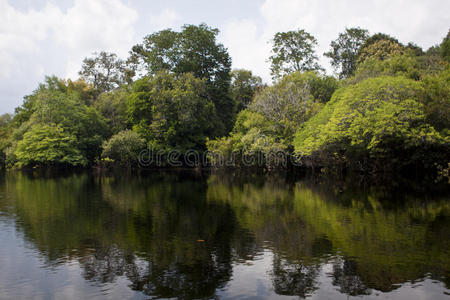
(179, 235)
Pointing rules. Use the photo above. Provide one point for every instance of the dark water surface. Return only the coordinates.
(172, 235)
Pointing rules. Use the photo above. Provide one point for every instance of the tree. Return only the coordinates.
(445, 48)
(344, 50)
(124, 148)
(268, 124)
(193, 50)
(380, 50)
(113, 107)
(379, 119)
(48, 145)
(252, 134)
(5, 130)
(244, 85)
(171, 111)
(289, 103)
(55, 102)
(437, 100)
(105, 71)
(293, 51)
(379, 45)
(398, 64)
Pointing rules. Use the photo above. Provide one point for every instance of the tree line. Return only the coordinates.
(387, 104)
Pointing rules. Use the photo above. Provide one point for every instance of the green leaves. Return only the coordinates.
(171, 112)
(194, 50)
(293, 51)
(124, 148)
(48, 145)
(59, 110)
(243, 87)
(344, 50)
(378, 115)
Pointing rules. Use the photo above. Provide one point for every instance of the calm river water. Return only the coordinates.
(183, 235)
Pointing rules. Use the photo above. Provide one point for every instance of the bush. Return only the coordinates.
(124, 148)
(379, 119)
(48, 145)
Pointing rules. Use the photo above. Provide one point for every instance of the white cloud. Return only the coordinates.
(248, 47)
(165, 19)
(422, 22)
(94, 26)
(47, 41)
(20, 34)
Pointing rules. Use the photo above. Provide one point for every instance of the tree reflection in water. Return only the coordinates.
(174, 235)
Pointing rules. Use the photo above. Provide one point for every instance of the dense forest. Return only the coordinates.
(387, 106)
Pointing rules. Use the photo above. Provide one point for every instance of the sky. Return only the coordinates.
(50, 37)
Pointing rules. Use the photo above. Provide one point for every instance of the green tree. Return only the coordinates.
(344, 50)
(171, 111)
(105, 71)
(445, 48)
(400, 64)
(437, 100)
(244, 85)
(291, 102)
(5, 131)
(293, 51)
(124, 148)
(58, 102)
(376, 38)
(113, 107)
(380, 50)
(193, 50)
(48, 145)
(268, 125)
(378, 119)
(252, 134)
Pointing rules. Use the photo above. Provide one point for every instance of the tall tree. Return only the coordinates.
(380, 50)
(293, 51)
(445, 48)
(243, 87)
(105, 71)
(192, 50)
(171, 112)
(57, 103)
(379, 43)
(344, 50)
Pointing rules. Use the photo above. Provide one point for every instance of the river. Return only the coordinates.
(195, 235)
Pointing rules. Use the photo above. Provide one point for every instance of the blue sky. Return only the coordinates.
(49, 37)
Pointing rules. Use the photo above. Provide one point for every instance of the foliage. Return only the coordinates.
(445, 48)
(393, 104)
(171, 111)
(124, 148)
(380, 50)
(113, 107)
(57, 102)
(5, 130)
(437, 100)
(105, 71)
(244, 85)
(293, 51)
(252, 135)
(344, 50)
(267, 126)
(376, 38)
(193, 50)
(406, 65)
(292, 101)
(48, 145)
(379, 118)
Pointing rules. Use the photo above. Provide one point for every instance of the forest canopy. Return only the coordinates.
(386, 105)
